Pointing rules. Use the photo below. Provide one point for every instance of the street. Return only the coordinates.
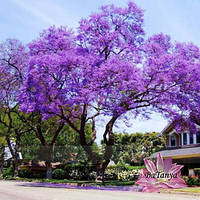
(11, 190)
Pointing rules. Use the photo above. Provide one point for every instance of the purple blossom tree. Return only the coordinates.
(108, 69)
(13, 67)
(14, 58)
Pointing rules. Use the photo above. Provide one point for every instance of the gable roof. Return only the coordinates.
(167, 128)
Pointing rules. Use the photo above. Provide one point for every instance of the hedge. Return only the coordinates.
(88, 172)
(192, 181)
(27, 173)
(197, 172)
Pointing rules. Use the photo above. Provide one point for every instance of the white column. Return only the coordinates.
(181, 139)
(188, 138)
(194, 138)
(191, 172)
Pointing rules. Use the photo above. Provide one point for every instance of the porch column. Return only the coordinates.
(181, 139)
(191, 172)
(194, 138)
(188, 138)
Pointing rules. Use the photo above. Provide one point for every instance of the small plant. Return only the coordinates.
(192, 181)
(7, 173)
(25, 173)
(58, 174)
(197, 172)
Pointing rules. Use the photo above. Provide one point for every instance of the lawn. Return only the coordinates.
(189, 190)
(78, 182)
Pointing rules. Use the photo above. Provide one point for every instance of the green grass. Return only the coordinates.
(189, 190)
(78, 182)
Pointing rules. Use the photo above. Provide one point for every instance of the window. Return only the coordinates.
(173, 140)
(191, 138)
(198, 137)
(184, 138)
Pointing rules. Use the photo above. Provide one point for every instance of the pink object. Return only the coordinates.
(162, 174)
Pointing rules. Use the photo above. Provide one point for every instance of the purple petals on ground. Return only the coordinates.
(84, 187)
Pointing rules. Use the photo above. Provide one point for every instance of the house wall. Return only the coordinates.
(177, 140)
(189, 161)
(167, 140)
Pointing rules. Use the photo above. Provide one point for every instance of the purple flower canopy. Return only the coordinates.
(14, 58)
(105, 66)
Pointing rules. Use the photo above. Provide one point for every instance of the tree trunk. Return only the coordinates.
(49, 158)
(108, 151)
(49, 170)
(14, 168)
(15, 164)
(14, 157)
(2, 159)
(101, 172)
(101, 164)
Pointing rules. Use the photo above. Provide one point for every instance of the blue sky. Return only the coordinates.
(24, 19)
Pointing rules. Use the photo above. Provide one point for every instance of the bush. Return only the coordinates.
(79, 171)
(82, 171)
(7, 173)
(122, 167)
(25, 173)
(111, 174)
(197, 172)
(122, 172)
(191, 181)
(58, 174)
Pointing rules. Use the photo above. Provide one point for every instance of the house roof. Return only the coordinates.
(167, 128)
(170, 126)
(179, 153)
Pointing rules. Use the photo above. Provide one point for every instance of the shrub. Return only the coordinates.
(83, 171)
(79, 171)
(122, 172)
(25, 173)
(124, 167)
(191, 181)
(197, 172)
(7, 173)
(111, 174)
(28, 173)
(58, 174)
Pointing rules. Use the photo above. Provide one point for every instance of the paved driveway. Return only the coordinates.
(17, 191)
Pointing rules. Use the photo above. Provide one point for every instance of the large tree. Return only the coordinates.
(14, 59)
(108, 69)
(13, 67)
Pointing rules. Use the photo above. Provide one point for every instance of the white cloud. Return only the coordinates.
(48, 12)
(34, 11)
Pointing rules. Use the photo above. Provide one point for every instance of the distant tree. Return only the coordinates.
(13, 68)
(2, 151)
(51, 145)
(133, 148)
